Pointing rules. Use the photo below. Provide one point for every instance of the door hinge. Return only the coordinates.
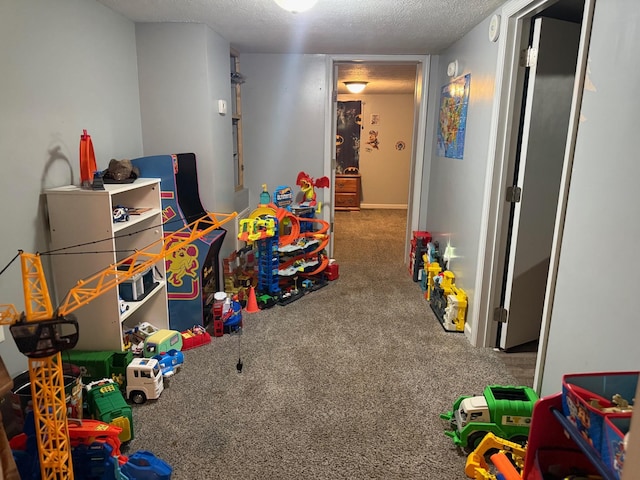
(500, 314)
(334, 95)
(514, 194)
(528, 57)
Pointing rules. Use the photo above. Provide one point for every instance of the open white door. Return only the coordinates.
(543, 131)
(334, 123)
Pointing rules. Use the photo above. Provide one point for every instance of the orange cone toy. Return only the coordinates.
(252, 304)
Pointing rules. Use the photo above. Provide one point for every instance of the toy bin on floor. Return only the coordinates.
(616, 426)
(588, 398)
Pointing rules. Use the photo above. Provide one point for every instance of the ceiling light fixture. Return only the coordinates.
(296, 6)
(355, 87)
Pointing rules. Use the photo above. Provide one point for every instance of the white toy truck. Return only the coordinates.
(144, 380)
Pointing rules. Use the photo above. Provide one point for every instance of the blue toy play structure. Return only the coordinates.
(268, 262)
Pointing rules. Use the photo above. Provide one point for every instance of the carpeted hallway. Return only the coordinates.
(345, 383)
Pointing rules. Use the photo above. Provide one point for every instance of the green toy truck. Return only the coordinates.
(107, 404)
(102, 364)
(504, 411)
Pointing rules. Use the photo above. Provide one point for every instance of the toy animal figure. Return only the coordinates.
(308, 185)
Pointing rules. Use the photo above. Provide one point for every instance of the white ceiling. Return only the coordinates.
(378, 27)
(335, 27)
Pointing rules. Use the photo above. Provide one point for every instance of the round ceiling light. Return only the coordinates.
(296, 6)
(355, 87)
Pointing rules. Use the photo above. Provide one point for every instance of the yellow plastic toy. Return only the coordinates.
(477, 467)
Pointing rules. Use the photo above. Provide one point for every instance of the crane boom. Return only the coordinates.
(89, 288)
(45, 369)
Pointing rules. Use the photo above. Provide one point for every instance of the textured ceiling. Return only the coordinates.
(335, 27)
(376, 27)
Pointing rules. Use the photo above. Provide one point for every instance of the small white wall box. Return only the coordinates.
(137, 287)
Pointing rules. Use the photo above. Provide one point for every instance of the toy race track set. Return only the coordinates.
(289, 243)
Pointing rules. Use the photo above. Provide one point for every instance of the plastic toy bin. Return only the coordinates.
(587, 401)
(137, 287)
(554, 462)
(616, 426)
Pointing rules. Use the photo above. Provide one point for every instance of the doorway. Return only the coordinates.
(524, 248)
(378, 71)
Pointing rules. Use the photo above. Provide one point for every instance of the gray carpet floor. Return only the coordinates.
(345, 383)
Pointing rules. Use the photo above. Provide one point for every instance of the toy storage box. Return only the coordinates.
(135, 288)
(616, 426)
(585, 398)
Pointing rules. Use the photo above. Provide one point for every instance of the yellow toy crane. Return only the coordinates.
(477, 467)
(41, 334)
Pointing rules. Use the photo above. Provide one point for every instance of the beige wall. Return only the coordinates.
(385, 170)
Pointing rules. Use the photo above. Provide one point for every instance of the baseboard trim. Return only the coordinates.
(384, 206)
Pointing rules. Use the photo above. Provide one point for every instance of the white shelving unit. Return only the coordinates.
(85, 241)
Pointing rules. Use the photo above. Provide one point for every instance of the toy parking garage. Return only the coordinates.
(287, 243)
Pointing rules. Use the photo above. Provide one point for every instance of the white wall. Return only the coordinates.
(385, 171)
(456, 187)
(184, 71)
(594, 324)
(283, 116)
(67, 65)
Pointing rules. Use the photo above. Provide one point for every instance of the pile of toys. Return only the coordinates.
(448, 302)
(95, 453)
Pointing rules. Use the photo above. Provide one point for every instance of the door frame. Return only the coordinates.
(419, 134)
(514, 15)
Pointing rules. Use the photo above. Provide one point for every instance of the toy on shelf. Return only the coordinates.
(504, 411)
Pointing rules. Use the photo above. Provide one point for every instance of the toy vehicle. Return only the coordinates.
(169, 362)
(477, 467)
(95, 366)
(143, 465)
(144, 380)
(120, 214)
(162, 341)
(504, 411)
(106, 403)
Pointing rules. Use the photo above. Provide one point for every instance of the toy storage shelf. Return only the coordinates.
(81, 224)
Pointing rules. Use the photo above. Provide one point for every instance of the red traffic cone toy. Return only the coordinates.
(252, 304)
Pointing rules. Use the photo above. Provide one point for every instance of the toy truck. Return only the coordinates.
(504, 411)
(144, 380)
(95, 366)
(106, 403)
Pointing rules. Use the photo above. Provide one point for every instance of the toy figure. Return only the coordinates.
(307, 184)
